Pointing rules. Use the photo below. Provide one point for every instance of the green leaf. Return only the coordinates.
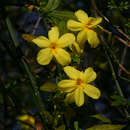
(118, 100)
(63, 14)
(52, 5)
(106, 127)
(76, 126)
(102, 118)
(48, 117)
(49, 87)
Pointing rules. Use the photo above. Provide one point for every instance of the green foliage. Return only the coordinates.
(76, 126)
(101, 118)
(62, 127)
(76, 58)
(63, 14)
(56, 18)
(118, 100)
(128, 24)
(52, 5)
(106, 127)
(49, 87)
(123, 5)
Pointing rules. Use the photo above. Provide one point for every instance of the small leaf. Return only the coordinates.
(62, 127)
(118, 100)
(49, 87)
(28, 37)
(52, 5)
(63, 14)
(106, 127)
(76, 126)
(102, 118)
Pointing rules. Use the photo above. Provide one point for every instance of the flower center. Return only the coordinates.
(88, 25)
(79, 81)
(53, 47)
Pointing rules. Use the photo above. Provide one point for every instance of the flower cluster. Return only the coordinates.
(54, 46)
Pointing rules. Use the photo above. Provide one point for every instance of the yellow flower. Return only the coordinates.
(78, 84)
(86, 26)
(52, 47)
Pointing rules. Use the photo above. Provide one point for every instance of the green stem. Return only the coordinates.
(34, 88)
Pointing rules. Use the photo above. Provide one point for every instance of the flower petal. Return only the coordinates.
(79, 97)
(41, 41)
(90, 75)
(92, 91)
(67, 85)
(44, 56)
(74, 26)
(53, 34)
(69, 98)
(62, 56)
(76, 45)
(66, 40)
(81, 15)
(72, 72)
(82, 37)
(92, 38)
(94, 21)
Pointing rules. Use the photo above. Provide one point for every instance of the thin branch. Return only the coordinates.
(123, 41)
(126, 43)
(36, 25)
(114, 74)
(122, 59)
(124, 34)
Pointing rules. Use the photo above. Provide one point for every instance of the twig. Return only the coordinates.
(123, 33)
(128, 80)
(122, 59)
(126, 43)
(116, 60)
(36, 25)
(123, 41)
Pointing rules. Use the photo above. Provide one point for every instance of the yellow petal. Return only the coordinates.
(90, 75)
(62, 56)
(74, 26)
(53, 34)
(72, 72)
(82, 37)
(44, 56)
(81, 15)
(92, 91)
(41, 41)
(67, 85)
(76, 45)
(69, 98)
(66, 40)
(92, 38)
(23, 117)
(79, 97)
(93, 21)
